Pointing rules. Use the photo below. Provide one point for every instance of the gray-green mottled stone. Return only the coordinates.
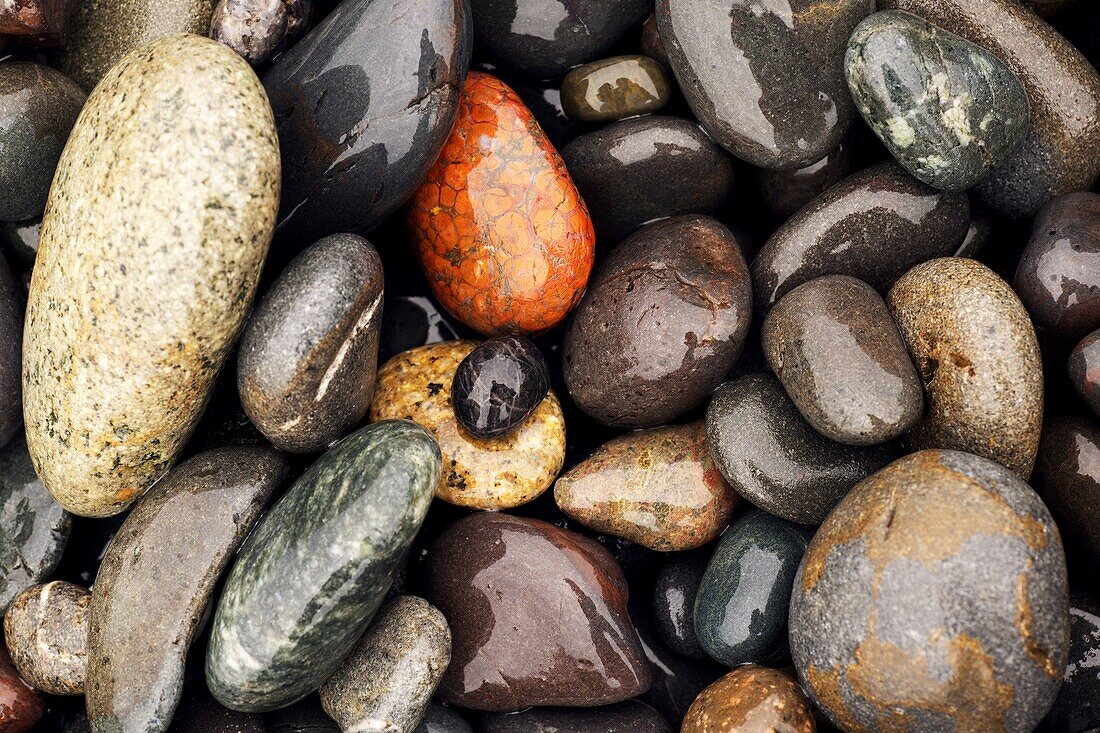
(33, 527)
(947, 109)
(311, 576)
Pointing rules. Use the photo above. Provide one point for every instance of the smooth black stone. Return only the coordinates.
(19, 241)
(12, 309)
(545, 38)
(624, 717)
(1077, 707)
(674, 592)
(498, 385)
(1067, 477)
(743, 600)
(785, 192)
(544, 100)
(1084, 370)
(441, 719)
(363, 105)
(637, 170)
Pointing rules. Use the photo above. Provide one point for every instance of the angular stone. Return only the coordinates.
(949, 111)
(753, 700)
(149, 238)
(309, 352)
(260, 29)
(1067, 476)
(158, 577)
(498, 385)
(312, 574)
(46, 632)
(614, 88)
(625, 717)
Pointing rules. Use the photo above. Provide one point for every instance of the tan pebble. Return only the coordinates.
(751, 699)
(46, 631)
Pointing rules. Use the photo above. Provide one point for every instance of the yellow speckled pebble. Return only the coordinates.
(157, 225)
(484, 474)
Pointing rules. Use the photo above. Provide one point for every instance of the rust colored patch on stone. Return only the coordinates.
(751, 699)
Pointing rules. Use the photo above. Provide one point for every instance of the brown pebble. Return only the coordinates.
(46, 630)
(20, 704)
(751, 699)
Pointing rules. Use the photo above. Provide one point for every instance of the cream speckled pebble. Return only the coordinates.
(157, 225)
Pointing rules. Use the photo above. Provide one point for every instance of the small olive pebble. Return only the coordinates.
(498, 385)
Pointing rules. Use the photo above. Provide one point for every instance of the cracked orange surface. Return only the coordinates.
(500, 230)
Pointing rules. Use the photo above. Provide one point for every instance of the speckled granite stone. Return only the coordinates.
(979, 361)
(307, 360)
(259, 29)
(387, 680)
(933, 598)
(158, 577)
(46, 632)
(101, 32)
(151, 246)
(751, 699)
(948, 110)
(311, 576)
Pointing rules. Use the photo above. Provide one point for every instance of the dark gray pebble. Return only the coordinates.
(674, 591)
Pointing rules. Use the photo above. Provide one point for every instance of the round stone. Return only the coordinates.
(614, 88)
(46, 632)
(751, 700)
(498, 385)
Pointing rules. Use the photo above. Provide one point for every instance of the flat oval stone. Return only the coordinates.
(310, 577)
(500, 230)
(308, 355)
(674, 591)
(146, 236)
(259, 29)
(873, 225)
(766, 81)
(771, 456)
(158, 577)
(395, 68)
(1058, 154)
(1067, 476)
(484, 474)
(634, 171)
(201, 713)
(753, 700)
(978, 359)
(785, 192)
(38, 106)
(742, 604)
(1058, 277)
(545, 38)
(1077, 708)
(934, 594)
(661, 325)
(836, 350)
(625, 717)
(46, 632)
(102, 32)
(658, 488)
(12, 307)
(948, 110)
(387, 680)
(36, 528)
(439, 718)
(614, 88)
(1084, 370)
(498, 385)
(538, 617)
(21, 706)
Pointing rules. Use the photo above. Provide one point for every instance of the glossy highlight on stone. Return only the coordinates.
(674, 591)
(498, 385)
(1067, 477)
(20, 705)
(259, 29)
(502, 235)
(614, 88)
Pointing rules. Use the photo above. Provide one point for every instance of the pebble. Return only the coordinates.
(158, 577)
(102, 32)
(836, 350)
(38, 106)
(658, 488)
(614, 88)
(498, 385)
(873, 225)
(500, 230)
(624, 717)
(1058, 277)
(200, 713)
(259, 29)
(21, 705)
(395, 68)
(933, 595)
(35, 528)
(766, 82)
(500, 473)
(1067, 477)
(46, 633)
(311, 575)
(663, 321)
(674, 591)
(1084, 370)
(948, 110)
(751, 699)
(439, 718)
(543, 39)
(634, 171)
(743, 600)
(147, 234)
(538, 617)
(387, 680)
(1058, 154)
(978, 358)
(309, 351)
(43, 21)
(785, 192)
(1077, 708)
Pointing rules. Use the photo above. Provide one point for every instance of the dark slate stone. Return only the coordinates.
(785, 192)
(498, 385)
(677, 680)
(13, 304)
(363, 105)
(19, 241)
(614, 88)
(1067, 476)
(312, 574)
(441, 719)
(1077, 709)
(674, 591)
(624, 717)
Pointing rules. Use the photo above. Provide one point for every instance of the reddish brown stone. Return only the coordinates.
(20, 704)
(751, 699)
(43, 19)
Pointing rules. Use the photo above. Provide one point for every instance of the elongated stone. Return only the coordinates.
(310, 578)
(158, 577)
(151, 247)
